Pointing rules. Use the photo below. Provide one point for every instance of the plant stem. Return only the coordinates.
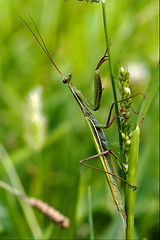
(131, 178)
(111, 73)
(90, 214)
(133, 155)
(16, 183)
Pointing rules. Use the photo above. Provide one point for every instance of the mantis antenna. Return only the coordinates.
(42, 43)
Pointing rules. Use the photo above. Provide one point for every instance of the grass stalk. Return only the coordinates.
(90, 214)
(133, 156)
(16, 183)
(131, 178)
(111, 72)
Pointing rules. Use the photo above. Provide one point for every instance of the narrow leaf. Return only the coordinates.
(150, 92)
(131, 178)
(15, 181)
(90, 214)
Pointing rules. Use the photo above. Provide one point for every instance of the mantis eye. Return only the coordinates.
(67, 79)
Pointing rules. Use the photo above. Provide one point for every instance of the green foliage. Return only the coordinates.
(91, 0)
(96, 1)
(133, 155)
(131, 177)
(73, 32)
(149, 95)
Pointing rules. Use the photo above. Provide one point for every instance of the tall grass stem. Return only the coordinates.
(111, 72)
(90, 214)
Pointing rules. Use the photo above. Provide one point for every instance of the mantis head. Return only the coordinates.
(67, 79)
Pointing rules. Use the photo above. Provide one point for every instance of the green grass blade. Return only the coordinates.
(133, 155)
(16, 183)
(90, 214)
(131, 178)
(111, 72)
(150, 92)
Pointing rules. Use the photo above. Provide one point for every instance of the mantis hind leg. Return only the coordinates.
(101, 170)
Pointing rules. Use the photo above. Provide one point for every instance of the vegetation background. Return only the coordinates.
(45, 154)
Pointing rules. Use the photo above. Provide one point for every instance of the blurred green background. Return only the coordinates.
(44, 148)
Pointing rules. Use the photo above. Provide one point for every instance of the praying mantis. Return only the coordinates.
(102, 146)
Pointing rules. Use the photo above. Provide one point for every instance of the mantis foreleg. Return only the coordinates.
(97, 86)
